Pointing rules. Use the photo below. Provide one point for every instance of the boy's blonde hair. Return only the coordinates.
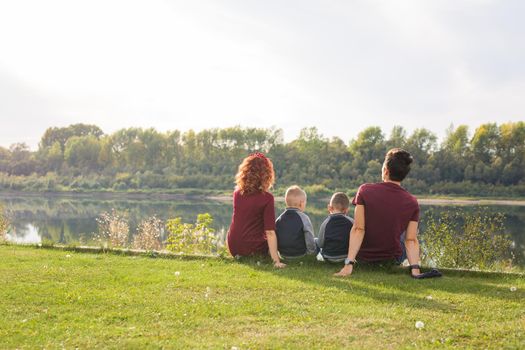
(294, 195)
(340, 201)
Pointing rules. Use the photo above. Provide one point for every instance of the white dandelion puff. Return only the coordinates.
(419, 324)
(68, 256)
(513, 289)
(429, 297)
(258, 263)
(177, 273)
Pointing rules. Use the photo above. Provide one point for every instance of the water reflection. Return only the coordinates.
(69, 220)
(25, 234)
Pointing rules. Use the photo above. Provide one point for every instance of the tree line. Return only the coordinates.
(488, 161)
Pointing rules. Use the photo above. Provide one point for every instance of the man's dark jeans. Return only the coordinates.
(403, 256)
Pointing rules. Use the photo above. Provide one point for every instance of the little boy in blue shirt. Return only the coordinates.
(334, 233)
(295, 233)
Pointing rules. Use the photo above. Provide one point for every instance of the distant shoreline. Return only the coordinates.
(481, 201)
(427, 201)
(227, 198)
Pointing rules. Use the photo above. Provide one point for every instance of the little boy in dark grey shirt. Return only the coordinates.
(334, 233)
(295, 233)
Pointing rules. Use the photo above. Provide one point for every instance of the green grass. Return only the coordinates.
(53, 299)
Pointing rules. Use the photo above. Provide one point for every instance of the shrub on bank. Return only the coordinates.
(317, 191)
(4, 223)
(466, 240)
(113, 229)
(148, 234)
(197, 238)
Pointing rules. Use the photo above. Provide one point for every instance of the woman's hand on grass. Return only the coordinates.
(272, 248)
(279, 265)
(345, 271)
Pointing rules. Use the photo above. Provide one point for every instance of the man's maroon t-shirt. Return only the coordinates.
(388, 210)
(253, 214)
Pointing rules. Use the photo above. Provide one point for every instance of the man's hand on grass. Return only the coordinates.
(345, 271)
(279, 265)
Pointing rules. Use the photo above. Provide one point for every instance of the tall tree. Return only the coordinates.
(82, 152)
(61, 135)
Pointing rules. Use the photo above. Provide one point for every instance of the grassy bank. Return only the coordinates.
(54, 299)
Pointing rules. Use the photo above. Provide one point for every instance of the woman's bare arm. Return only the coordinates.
(272, 247)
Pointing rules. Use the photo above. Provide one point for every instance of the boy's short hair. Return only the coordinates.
(340, 201)
(398, 161)
(294, 195)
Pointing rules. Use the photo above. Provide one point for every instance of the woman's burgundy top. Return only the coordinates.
(253, 214)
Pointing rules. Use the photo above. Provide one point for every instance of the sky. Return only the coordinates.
(340, 66)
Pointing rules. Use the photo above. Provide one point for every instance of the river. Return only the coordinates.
(72, 219)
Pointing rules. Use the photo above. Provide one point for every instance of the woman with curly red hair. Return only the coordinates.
(252, 230)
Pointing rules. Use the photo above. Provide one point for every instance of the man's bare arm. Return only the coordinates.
(356, 239)
(412, 246)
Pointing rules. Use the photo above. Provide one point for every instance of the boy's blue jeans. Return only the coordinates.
(399, 260)
(327, 258)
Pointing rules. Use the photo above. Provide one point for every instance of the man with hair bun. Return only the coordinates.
(386, 219)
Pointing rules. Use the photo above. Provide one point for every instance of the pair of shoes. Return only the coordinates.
(429, 274)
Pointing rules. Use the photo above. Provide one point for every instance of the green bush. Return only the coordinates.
(316, 191)
(466, 240)
(4, 223)
(120, 186)
(198, 238)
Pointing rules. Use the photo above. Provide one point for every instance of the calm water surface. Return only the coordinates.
(71, 220)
